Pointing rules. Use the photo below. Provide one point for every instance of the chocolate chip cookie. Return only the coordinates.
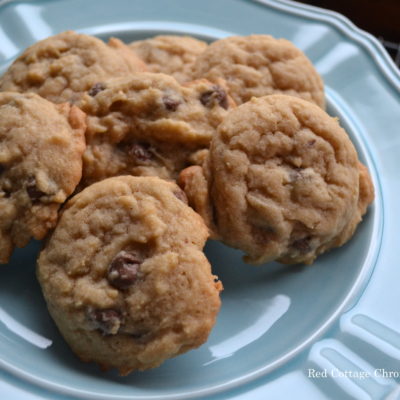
(170, 54)
(259, 65)
(149, 124)
(365, 197)
(124, 275)
(41, 147)
(62, 67)
(282, 181)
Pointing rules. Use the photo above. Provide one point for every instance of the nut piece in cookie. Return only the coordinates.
(124, 275)
(170, 54)
(260, 65)
(41, 147)
(149, 124)
(62, 67)
(281, 181)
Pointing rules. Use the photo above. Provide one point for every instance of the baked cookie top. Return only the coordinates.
(149, 124)
(281, 181)
(61, 67)
(170, 54)
(259, 65)
(41, 147)
(125, 277)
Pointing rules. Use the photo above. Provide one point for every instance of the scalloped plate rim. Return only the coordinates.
(345, 25)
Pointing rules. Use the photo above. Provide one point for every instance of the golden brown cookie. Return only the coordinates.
(170, 54)
(124, 275)
(366, 189)
(149, 124)
(260, 65)
(41, 147)
(62, 67)
(281, 181)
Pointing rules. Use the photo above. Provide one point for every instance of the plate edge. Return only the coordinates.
(381, 58)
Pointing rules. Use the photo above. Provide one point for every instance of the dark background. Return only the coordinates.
(379, 17)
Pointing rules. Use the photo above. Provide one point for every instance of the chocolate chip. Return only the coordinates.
(33, 192)
(311, 143)
(140, 335)
(263, 234)
(123, 270)
(181, 195)
(2, 168)
(106, 321)
(213, 96)
(7, 192)
(170, 103)
(302, 245)
(96, 88)
(140, 152)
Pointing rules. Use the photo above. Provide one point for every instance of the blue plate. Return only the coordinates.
(330, 330)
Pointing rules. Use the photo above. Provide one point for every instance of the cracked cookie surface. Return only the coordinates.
(41, 147)
(260, 65)
(62, 67)
(282, 181)
(125, 280)
(169, 54)
(149, 124)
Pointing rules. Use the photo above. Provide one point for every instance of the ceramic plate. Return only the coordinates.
(330, 330)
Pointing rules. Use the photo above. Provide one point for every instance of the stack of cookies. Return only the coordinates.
(96, 137)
